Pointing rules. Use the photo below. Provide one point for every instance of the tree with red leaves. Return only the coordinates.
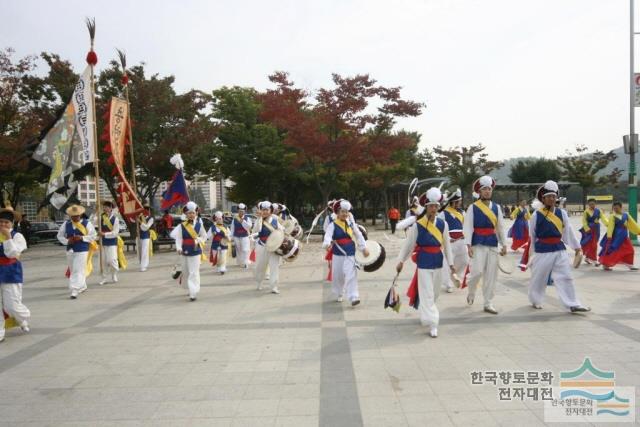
(340, 130)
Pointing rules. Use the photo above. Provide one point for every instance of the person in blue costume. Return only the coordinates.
(12, 244)
(344, 237)
(266, 224)
(550, 233)
(428, 245)
(616, 245)
(190, 237)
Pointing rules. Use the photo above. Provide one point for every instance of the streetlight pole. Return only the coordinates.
(632, 184)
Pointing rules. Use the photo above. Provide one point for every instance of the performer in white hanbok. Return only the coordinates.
(264, 226)
(550, 233)
(240, 229)
(146, 242)
(483, 230)
(344, 237)
(12, 244)
(428, 245)
(190, 237)
(453, 214)
(78, 235)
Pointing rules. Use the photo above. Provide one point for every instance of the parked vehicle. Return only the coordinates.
(43, 231)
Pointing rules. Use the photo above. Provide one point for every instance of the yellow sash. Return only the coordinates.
(9, 322)
(194, 236)
(107, 221)
(344, 227)
(553, 218)
(122, 260)
(224, 230)
(455, 213)
(488, 212)
(93, 247)
(431, 228)
(154, 237)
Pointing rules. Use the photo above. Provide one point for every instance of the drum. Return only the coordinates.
(292, 228)
(274, 240)
(376, 257)
(289, 249)
(285, 246)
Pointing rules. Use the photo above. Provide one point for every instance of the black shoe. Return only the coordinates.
(355, 302)
(192, 299)
(580, 309)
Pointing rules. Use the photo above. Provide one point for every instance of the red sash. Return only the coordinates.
(550, 240)
(7, 261)
(484, 231)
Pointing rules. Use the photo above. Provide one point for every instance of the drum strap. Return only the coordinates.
(269, 226)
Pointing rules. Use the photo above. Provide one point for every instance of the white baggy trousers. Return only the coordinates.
(77, 262)
(558, 265)
(484, 264)
(11, 299)
(110, 257)
(429, 283)
(191, 273)
(144, 253)
(345, 276)
(242, 250)
(264, 260)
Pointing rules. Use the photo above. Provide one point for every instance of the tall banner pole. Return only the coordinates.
(125, 82)
(92, 60)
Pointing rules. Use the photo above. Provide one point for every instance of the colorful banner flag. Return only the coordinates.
(117, 134)
(118, 118)
(176, 193)
(68, 144)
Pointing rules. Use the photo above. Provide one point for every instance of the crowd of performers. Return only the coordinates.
(450, 247)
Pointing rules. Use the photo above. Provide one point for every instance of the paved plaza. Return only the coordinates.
(138, 353)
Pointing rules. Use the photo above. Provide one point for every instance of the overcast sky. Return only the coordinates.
(530, 77)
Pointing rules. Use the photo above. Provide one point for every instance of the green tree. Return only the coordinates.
(463, 165)
(535, 171)
(584, 167)
(251, 152)
(426, 165)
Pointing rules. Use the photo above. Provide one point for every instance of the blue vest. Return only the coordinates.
(79, 246)
(11, 273)
(338, 233)
(620, 234)
(453, 222)
(546, 229)
(592, 221)
(217, 233)
(264, 233)
(480, 220)
(105, 229)
(145, 234)
(428, 260)
(238, 229)
(189, 247)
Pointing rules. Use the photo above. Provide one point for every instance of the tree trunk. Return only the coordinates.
(386, 207)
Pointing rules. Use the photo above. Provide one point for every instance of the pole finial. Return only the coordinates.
(92, 58)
